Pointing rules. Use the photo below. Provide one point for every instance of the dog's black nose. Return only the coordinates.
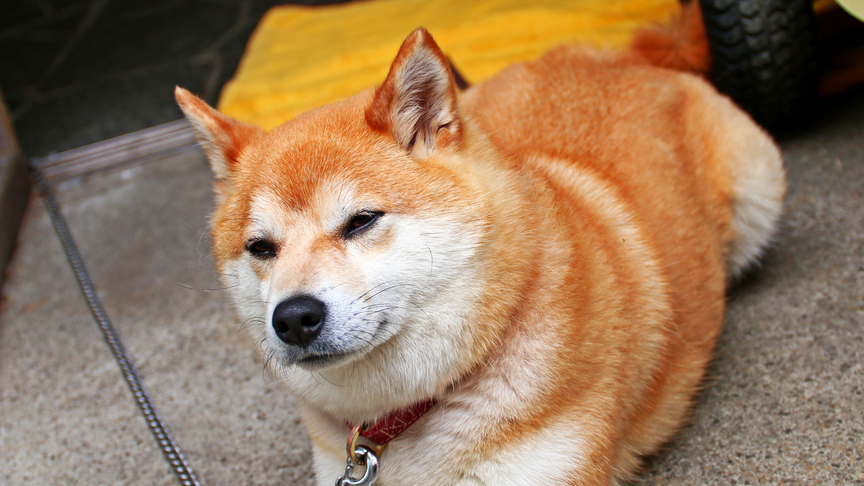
(299, 320)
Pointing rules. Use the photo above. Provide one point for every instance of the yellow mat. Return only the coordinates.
(303, 57)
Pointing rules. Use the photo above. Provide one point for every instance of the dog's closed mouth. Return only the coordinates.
(323, 359)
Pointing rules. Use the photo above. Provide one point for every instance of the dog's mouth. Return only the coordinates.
(321, 355)
(321, 360)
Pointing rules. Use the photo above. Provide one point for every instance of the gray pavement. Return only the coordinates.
(783, 403)
(67, 417)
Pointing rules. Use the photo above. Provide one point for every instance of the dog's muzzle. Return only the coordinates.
(299, 320)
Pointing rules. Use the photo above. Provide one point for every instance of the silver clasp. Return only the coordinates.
(364, 456)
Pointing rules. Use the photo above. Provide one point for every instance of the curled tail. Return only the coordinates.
(680, 44)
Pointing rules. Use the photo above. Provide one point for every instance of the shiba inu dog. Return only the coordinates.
(518, 284)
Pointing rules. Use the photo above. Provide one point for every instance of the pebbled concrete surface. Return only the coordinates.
(67, 417)
(783, 404)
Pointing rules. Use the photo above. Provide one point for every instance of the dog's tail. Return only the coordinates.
(680, 44)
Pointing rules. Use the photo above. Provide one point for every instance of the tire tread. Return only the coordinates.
(764, 55)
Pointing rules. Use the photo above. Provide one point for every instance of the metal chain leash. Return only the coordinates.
(169, 448)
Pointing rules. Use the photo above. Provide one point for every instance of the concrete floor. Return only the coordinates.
(67, 417)
(783, 404)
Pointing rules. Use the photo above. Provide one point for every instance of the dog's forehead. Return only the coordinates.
(324, 168)
(326, 208)
(328, 164)
(293, 166)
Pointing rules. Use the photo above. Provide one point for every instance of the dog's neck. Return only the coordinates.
(394, 423)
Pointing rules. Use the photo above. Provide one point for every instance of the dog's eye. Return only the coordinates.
(361, 221)
(262, 249)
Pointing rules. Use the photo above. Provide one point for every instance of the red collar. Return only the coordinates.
(394, 423)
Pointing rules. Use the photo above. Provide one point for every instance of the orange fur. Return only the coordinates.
(561, 237)
(682, 44)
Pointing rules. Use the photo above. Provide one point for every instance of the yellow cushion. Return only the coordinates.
(303, 57)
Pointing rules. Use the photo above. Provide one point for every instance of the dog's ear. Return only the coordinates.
(221, 137)
(417, 103)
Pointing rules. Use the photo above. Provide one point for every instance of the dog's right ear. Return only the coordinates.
(222, 138)
(417, 103)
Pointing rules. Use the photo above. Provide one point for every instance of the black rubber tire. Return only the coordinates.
(764, 55)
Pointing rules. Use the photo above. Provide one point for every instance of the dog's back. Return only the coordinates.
(670, 184)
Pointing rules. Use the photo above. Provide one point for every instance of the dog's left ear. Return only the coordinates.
(417, 103)
(221, 137)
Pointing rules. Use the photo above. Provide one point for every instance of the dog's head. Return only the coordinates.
(359, 236)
